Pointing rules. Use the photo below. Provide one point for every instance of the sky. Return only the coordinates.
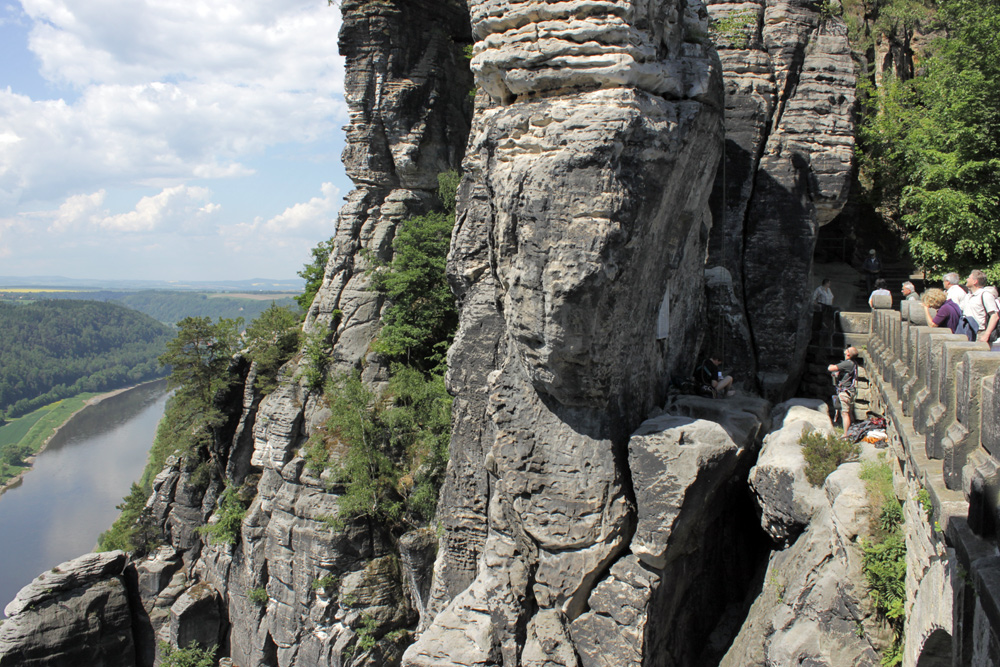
(168, 139)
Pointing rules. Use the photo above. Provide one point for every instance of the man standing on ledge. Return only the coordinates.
(981, 306)
(847, 384)
(872, 268)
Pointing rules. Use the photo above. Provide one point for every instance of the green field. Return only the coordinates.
(34, 428)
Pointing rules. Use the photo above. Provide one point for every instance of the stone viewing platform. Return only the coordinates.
(941, 394)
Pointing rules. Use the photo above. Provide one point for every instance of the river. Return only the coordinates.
(68, 498)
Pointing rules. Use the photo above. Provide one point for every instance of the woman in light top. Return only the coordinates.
(881, 288)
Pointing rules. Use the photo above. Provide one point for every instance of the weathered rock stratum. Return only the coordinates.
(583, 211)
(790, 103)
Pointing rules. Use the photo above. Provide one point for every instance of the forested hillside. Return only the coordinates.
(171, 307)
(54, 349)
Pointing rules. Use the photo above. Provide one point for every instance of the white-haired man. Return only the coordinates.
(953, 288)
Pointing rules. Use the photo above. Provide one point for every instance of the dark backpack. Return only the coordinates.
(848, 382)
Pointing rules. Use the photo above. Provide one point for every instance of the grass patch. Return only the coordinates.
(884, 554)
(825, 453)
(31, 431)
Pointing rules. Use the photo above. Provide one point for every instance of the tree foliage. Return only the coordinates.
(884, 554)
(271, 340)
(135, 530)
(388, 450)
(167, 306)
(192, 656)
(200, 359)
(229, 513)
(931, 145)
(55, 349)
(420, 321)
(313, 273)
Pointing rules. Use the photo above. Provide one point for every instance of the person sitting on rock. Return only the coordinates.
(948, 312)
(910, 292)
(846, 381)
(709, 373)
(881, 288)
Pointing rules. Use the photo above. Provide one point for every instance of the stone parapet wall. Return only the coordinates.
(940, 394)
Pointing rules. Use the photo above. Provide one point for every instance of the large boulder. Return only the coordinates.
(787, 500)
(814, 608)
(78, 613)
(690, 561)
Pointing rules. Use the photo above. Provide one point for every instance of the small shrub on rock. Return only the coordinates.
(192, 656)
(824, 454)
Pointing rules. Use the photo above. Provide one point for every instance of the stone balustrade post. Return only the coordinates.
(940, 412)
(917, 390)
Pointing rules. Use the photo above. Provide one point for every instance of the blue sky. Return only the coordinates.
(168, 140)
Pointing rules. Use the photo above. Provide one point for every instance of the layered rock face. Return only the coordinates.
(291, 591)
(787, 171)
(407, 84)
(76, 614)
(580, 234)
(814, 607)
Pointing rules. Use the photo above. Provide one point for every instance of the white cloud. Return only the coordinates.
(293, 232)
(176, 208)
(168, 91)
(79, 210)
(313, 214)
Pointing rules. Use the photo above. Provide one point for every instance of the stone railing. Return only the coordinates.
(941, 394)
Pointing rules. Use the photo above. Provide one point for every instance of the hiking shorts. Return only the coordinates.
(846, 400)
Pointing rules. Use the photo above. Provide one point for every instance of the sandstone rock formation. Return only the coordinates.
(76, 614)
(787, 171)
(814, 607)
(584, 199)
(407, 84)
(786, 498)
(567, 536)
(293, 591)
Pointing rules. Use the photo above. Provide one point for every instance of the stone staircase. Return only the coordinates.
(830, 336)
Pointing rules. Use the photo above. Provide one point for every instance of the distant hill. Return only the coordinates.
(167, 306)
(294, 285)
(54, 349)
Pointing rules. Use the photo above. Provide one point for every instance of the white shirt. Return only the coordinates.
(877, 292)
(956, 294)
(823, 295)
(978, 305)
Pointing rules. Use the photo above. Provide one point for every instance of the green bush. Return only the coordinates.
(134, 531)
(420, 321)
(229, 514)
(825, 453)
(366, 633)
(258, 596)
(272, 339)
(316, 353)
(192, 656)
(391, 449)
(313, 273)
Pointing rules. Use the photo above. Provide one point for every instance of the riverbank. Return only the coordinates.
(48, 421)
